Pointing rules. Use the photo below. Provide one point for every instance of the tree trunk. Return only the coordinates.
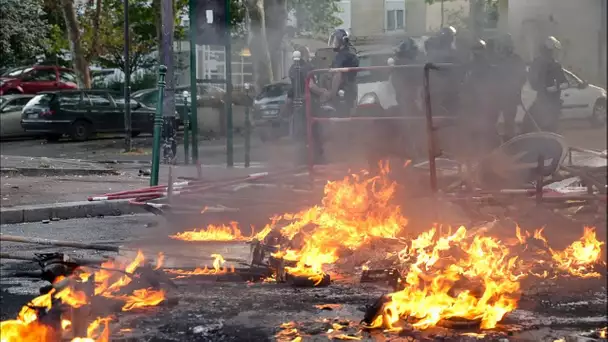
(94, 52)
(80, 64)
(258, 45)
(276, 19)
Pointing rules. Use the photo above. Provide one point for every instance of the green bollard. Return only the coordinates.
(186, 121)
(247, 128)
(158, 123)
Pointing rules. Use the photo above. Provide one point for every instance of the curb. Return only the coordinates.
(67, 210)
(36, 172)
(136, 162)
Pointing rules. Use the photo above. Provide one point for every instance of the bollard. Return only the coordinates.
(247, 127)
(158, 122)
(186, 128)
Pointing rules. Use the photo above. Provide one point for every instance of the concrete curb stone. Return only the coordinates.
(38, 172)
(67, 210)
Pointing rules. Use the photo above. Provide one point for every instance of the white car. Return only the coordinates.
(10, 116)
(581, 101)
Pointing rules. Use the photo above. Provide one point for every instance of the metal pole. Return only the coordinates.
(228, 97)
(127, 86)
(158, 122)
(247, 128)
(186, 122)
(441, 14)
(193, 96)
(169, 119)
(430, 130)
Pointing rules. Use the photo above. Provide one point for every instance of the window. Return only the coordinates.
(573, 81)
(66, 77)
(41, 75)
(41, 100)
(70, 99)
(21, 101)
(99, 100)
(14, 72)
(395, 20)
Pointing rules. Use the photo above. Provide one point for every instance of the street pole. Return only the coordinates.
(186, 122)
(193, 96)
(247, 126)
(228, 97)
(158, 122)
(127, 86)
(169, 119)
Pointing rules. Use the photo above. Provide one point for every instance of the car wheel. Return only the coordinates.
(599, 113)
(81, 130)
(12, 92)
(53, 137)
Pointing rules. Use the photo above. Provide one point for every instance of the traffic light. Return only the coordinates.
(210, 21)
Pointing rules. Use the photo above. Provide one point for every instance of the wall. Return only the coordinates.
(367, 17)
(579, 25)
(450, 7)
(345, 14)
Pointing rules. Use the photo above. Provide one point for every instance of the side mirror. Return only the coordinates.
(583, 85)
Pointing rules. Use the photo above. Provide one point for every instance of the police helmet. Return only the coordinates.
(479, 45)
(446, 35)
(338, 39)
(552, 44)
(407, 49)
(505, 43)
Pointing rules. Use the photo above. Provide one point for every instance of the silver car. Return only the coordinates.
(10, 115)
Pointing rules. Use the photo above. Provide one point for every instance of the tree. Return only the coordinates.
(266, 21)
(81, 66)
(23, 33)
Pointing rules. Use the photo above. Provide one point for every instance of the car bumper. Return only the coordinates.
(46, 126)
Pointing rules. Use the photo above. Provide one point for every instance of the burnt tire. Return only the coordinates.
(80, 130)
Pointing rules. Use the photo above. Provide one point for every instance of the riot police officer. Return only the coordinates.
(479, 112)
(445, 83)
(547, 78)
(346, 57)
(512, 76)
(406, 82)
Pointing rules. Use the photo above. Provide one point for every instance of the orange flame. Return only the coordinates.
(581, 256)
(213, 233)
(217, 268)
(479, 285)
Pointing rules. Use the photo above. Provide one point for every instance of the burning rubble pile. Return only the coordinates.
(443, 276)
(447, 277)
(80, 306)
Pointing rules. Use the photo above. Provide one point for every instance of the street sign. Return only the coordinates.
(516, 161)
(210, 21)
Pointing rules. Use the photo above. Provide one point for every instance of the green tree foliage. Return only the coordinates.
(23, 31)
(315, 17)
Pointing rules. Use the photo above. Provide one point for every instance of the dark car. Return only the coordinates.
(82, 113)
(205, 92)
(266, 111)
(35, 79)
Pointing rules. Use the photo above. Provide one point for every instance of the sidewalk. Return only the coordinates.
(39, 198)
(43, 166)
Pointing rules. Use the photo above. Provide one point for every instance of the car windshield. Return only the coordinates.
(121, 102)
(41, 100)
(273, 90)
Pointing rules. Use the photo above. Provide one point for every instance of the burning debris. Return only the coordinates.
(70, 303)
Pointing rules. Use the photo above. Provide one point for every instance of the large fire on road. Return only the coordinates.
(454, 275)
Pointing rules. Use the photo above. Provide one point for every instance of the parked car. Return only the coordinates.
(10, 115)
(82, 113)
(266, 111)
(37, 78)
(580, 101)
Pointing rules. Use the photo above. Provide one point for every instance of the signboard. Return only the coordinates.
(210, 21)
(516, 161)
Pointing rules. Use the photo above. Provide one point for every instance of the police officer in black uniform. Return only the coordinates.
(479, 111)
(407, 82)
(512, 77)
(547, 78)
(295, 104)
(346, 57)
(445, 84)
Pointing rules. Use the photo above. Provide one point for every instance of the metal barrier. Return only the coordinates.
(430, 127)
